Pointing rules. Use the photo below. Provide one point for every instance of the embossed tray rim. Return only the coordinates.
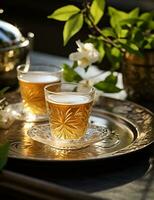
(138, 144)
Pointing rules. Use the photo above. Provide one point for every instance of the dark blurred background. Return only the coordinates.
(31, 16)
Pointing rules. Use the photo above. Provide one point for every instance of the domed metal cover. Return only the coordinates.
(9, 35)
(14, 51)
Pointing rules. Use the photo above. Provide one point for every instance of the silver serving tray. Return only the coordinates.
(133, 124)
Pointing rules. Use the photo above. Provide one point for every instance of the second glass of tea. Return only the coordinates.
(69, 107)
(32, 80)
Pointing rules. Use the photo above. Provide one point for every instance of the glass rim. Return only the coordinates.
(92, 89)
(59, 68)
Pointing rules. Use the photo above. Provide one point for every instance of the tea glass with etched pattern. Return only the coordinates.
(69, 108)
(32, 80)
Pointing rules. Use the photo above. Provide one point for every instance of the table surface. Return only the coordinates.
(122, 178)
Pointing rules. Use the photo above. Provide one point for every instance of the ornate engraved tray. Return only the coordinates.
(133, 124)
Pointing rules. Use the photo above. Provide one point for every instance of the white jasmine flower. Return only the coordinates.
(86, 54)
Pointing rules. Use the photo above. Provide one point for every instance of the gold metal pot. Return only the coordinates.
(138, 76)
(14, 50)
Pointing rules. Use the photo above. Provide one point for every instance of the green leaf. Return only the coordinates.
(115, 12)
(108, 32)
(97, 10)
(70, 75)
(122, 41)
(144, 19)
(75, 64)
(129, 22)
(123, 33)
(100, 48)
(149, 42)
(112, 79)
(146, 16)
(109, 84)
(120, 19)
(64, 13)
(151, 25)
(145, 43)
(72, 26)
(4, 148)
(115, 52)
(131, 48)
(116, 16)
(137, 37)
(114, 56)
(109, 55)
(134, 47)
(134, 13)
(107, 87)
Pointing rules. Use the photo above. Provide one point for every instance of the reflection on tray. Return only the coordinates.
(94, 134)
(132, 124)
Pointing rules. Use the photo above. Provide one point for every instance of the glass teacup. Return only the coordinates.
(32, 80)
(69, 107)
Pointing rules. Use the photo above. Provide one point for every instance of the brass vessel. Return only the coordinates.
(14, 50)
(138, 76)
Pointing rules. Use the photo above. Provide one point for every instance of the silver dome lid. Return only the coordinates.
(9, 35)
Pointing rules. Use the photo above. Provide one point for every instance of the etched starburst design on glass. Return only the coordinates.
(69, 121)
(33, 95)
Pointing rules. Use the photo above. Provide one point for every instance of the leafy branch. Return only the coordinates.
(130, 32)
(90, 12)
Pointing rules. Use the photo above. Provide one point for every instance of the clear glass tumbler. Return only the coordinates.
(32, 80)
(69, 107)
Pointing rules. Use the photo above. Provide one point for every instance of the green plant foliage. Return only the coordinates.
(72, 26)
(97, 10)
(108, 85)
(4, 148)
(114, 56)
(119, 18)
(131, 48)
(108, 32)
(145, 18)
(134, 13)
(64, 13)
(115, 18)
(130, 32)
(70, 74)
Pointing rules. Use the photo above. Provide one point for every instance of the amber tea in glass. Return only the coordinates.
(32, 83)
(69, 109)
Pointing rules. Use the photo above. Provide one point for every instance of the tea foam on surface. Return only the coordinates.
(67, 98)
(38, 77)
